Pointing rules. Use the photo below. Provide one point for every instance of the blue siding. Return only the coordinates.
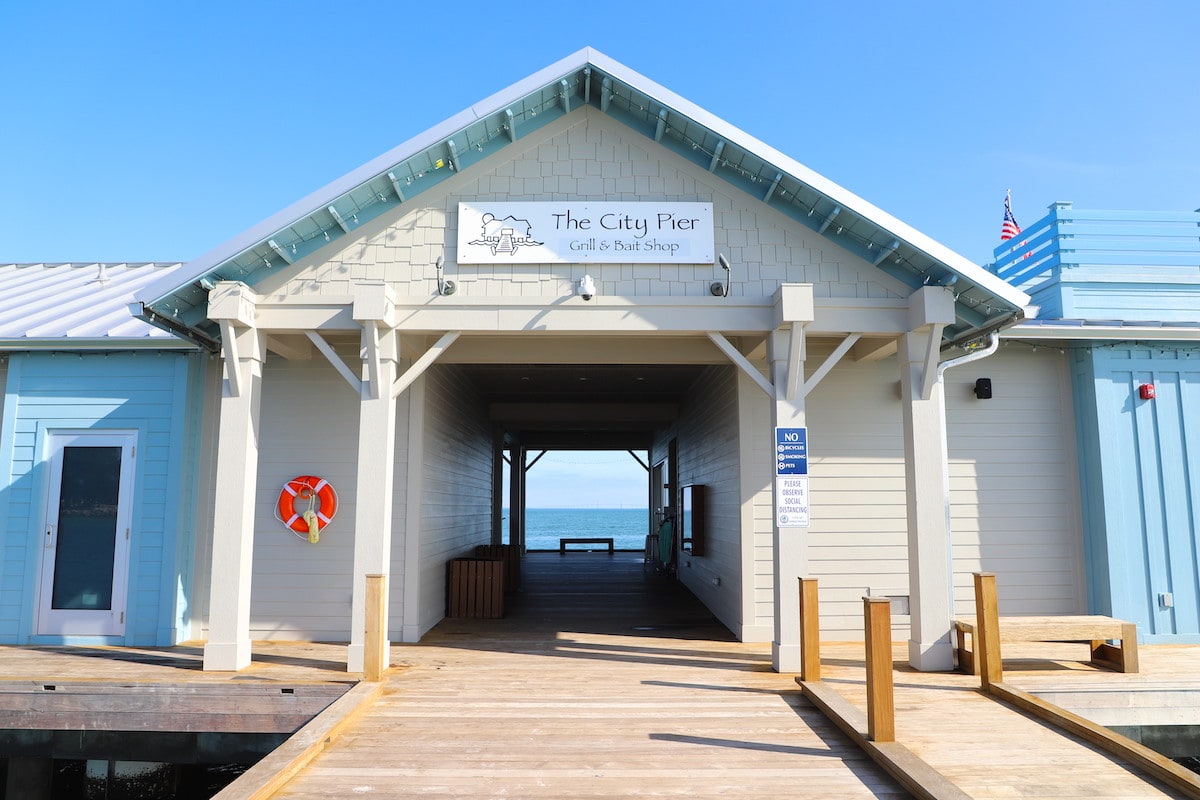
(1140, 461)
(155, 394)
(1125, 266)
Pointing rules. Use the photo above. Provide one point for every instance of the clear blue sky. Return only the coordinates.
(135, 131)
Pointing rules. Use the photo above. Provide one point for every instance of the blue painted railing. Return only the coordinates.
(1120, 265)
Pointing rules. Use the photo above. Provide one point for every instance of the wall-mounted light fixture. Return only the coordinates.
(445, 287)
(983, 388)
(586, 287)
(717, 288)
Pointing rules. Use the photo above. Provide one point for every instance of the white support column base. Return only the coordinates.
(227, 656)
(936, 656)
(356, 656)
(410, 634)
(785, 657)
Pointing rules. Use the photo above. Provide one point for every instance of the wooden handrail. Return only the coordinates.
(374, 652)
(881, 702)
(986, 638)
(810, 631)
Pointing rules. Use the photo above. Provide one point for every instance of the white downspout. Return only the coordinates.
(992, 345)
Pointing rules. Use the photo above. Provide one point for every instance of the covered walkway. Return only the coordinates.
(603, 680)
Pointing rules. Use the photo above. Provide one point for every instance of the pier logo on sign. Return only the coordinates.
(505, 235)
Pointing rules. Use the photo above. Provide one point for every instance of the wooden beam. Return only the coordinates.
(333, 212)
(868, 350)
(743, 363)
(829, 220)
(229, 350)
(375, 654)
(334, 359)
(795, 362)
(661, 127)
(371, 355)
(421, 364)
(915, 775)
(774, 185)
(810, 631)
(1157, 765)
(716, 159)
(881, 702)
(933, 349)
(293, 348)
(268, 776)
(830, 362)
(510, 122)
(564, 95)
(986, 638)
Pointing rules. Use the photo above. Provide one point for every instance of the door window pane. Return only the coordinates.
(87, 528)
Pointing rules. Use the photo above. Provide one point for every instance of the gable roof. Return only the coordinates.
(77, 306)
(588, 78)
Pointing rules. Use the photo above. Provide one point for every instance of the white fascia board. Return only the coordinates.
(838, 194)
(551, 74)
(1107, 332)
(59, 345)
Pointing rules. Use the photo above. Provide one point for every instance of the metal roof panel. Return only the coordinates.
(72, 302)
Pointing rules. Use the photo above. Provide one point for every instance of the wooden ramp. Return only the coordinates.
(585, 691)
(987, 748)
(619, 699)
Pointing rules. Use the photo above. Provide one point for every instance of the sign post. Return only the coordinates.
(791, 477)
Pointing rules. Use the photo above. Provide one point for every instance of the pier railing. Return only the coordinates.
(875, 732)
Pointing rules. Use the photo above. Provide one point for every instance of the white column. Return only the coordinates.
(414, 489)
(928, 529)
(228, 646)
(374, 484)
(790, 544)
(930, 572)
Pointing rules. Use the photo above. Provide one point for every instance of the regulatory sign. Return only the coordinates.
(791, 502)
(791, 451)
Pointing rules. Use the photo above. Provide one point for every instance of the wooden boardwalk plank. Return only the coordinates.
(580, 695)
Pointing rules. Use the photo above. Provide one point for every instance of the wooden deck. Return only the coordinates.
(607, 681)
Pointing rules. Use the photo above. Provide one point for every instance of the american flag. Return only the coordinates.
(1009, 228)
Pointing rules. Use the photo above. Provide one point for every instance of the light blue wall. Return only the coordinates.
(1123, 266)
(1140, 466)
(159, 396)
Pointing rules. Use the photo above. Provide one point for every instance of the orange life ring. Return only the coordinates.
(306, 487)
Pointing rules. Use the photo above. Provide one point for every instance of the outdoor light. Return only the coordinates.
(445, 287)
(717, 288)
(983, 388)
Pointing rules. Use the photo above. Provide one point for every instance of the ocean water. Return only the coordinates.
(627, 526)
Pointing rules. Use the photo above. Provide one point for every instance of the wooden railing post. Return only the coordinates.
(374, 653)
(987, 631)
(881, 704)
(810, 631)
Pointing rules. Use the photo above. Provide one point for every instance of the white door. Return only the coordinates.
(85, 544)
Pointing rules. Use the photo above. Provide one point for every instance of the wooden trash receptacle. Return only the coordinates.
(511, 554)
(476, 588)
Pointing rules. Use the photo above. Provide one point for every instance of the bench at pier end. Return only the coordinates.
(601, 540)
(1094, 630)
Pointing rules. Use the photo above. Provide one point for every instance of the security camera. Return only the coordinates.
(586, 288)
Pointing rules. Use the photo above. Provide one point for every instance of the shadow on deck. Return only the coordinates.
(596, 593)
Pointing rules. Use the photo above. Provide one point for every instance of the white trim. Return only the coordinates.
(379, 166)
(86, 622)
(1125, 333)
